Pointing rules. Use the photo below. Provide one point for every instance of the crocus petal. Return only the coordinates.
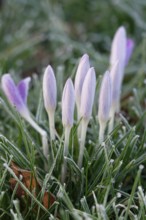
(118, 50)
(68, 103)
(105, 98)
(23, 87)
(49, 89)
(12, 92)
(82, 70)
(130, 47)
(88, 93)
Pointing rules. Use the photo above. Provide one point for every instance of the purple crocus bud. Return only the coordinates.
(87, 98)
(68, 104)
(49, 89)
(130, 47)
(50, 96)
(17, 95)
(105, 97)
(88, 93)
(82, 70)
(118, 50)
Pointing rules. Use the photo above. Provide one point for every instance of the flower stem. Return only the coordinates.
(102, 125)
(65, 153)
(79, 126)
(84, 124)
(111, 123)
(51, 124)
(114, 107)
(42, 132)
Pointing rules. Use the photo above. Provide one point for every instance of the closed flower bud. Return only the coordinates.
(68, 104)
(105, 98)
(118, 50)
(49, 89)
(82, 70)
(104, 105)
(50, 96)
(87, 98)
(88, 93)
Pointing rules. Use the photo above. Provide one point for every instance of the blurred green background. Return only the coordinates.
(36, 33)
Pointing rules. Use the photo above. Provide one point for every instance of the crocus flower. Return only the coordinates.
(118, 51)
(17, 96)
(82, 70)
(50, 96)
(121, 51)
(129, 49)
(68, 104)
(105, 96)
(88, 93)
(87, 98)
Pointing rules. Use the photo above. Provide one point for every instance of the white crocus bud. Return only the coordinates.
(68, 104)
(87, 99)
(104, 104)
(119, 48)
(88, 93)
(50, 96)
(82, 70)
(118, 52)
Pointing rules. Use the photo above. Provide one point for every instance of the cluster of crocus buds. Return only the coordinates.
(82, 93)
